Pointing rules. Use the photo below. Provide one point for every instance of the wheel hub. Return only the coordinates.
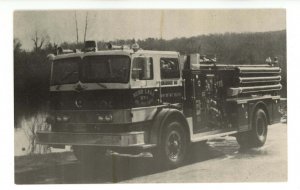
(174, 145)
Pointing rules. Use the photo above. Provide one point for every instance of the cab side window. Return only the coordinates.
(142, 68)
(169, 68)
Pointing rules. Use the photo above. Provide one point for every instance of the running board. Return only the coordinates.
(211, 135)
(140, 155)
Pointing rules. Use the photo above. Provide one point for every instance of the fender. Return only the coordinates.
(164, 116)
(257, 105)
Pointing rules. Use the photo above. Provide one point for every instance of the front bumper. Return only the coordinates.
(118, 140)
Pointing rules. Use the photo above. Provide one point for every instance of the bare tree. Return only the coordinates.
(39, 40)
(86, 25)
(17, 45)
(30, 126)
(76, 27)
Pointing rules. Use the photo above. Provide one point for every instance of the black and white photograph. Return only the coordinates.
(150, 96)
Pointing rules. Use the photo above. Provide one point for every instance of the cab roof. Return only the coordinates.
(116, 52)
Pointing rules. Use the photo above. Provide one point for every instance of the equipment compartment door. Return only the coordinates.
(198, 102)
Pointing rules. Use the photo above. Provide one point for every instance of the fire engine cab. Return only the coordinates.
(129, 101)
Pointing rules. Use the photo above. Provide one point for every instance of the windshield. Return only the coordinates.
(65, 71)
(103, 68)
(106, 68)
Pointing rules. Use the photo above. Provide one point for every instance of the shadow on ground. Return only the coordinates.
(114, 170)
(117, 169)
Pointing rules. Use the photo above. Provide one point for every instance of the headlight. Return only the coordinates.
(108, 118)
(58, 118)
(105, 118)
(100, 118)
(63, 118)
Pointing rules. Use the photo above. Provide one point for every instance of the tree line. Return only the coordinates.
(32, 69)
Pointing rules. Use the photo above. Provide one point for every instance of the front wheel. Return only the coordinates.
(173, 148)
(258, 134)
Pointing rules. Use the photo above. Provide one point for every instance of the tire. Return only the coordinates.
(258, 134)
(173, 147)
(89, 155)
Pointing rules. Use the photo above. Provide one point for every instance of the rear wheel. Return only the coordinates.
(173, 148)
(258, 134)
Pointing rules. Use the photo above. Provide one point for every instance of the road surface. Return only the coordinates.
(220, 160)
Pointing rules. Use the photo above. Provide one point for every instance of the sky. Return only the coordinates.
(107, 25)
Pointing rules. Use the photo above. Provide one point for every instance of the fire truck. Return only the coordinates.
(128, 101)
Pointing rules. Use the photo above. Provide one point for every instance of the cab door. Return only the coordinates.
(144, 91)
